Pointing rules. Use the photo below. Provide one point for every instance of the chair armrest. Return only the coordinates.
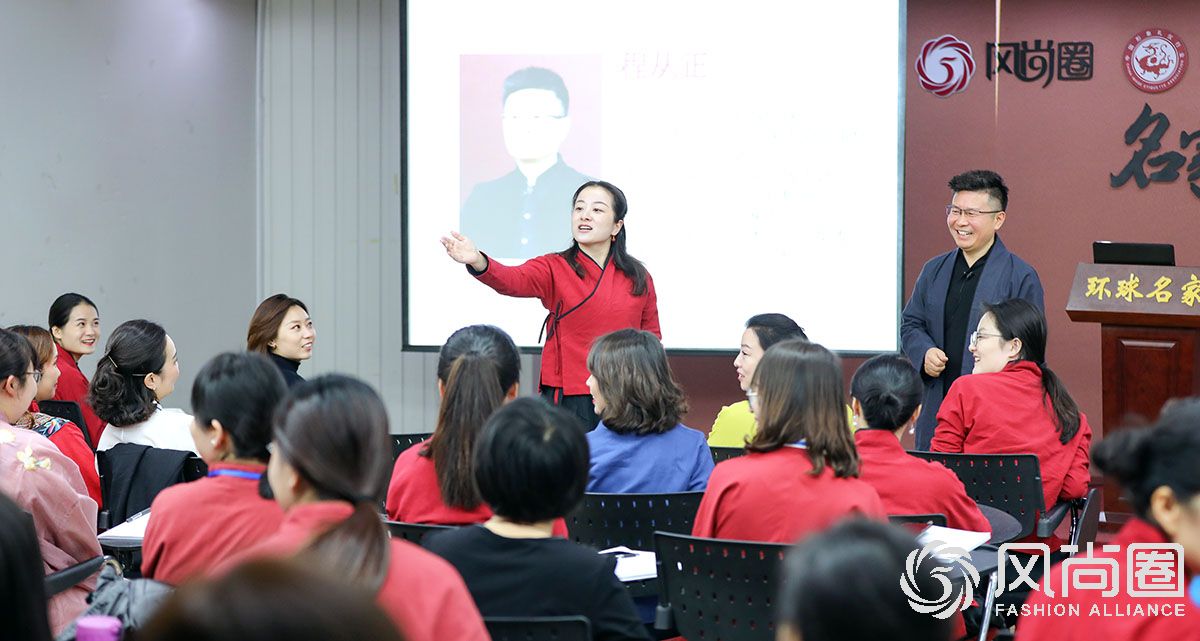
(663, 617)
(1049, 522)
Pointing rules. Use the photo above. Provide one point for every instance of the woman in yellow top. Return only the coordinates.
(735, 424)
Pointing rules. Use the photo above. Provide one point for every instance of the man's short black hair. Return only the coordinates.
(537, 78)
(982, 180)
(531, 462)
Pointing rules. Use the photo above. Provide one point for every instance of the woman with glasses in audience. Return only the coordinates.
(67, 436)
(640, 445)
(886, 396)
(531, 467)
(800, 471)
(1012, 403)
(194, 526)
(282, 329)
(138, 370)
(1157, 467)
(43, 482)
(75, 325)
(328, 466)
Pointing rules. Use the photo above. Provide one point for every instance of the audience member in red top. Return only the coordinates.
(270, 600)
(194, 526)
(886, 399)
(328, 463)
(75, 325)
(1012, 403)
(63, 433)
(799, 473)
(841, 585)
(1157, 468)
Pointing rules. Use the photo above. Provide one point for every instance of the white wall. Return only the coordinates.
(127, 166)
(330, 199)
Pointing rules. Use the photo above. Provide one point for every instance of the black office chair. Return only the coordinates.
(64, 579)
(401, 442)
(1088, 523)
(718, 589)
(572, 628)
(725, 453)
(194, 468)
(413, 532)
(69, 410)
(918, 519)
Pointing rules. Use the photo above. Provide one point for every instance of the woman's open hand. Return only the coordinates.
(462, 250)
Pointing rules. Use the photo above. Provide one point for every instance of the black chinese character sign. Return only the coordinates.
(1143, 167)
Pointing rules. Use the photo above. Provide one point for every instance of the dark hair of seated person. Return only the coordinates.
(531, 462)
(22, 577)
(118, 392)
(1151, 460)
(270, 600)
(844, 585)
(640, 393)
(889, 390)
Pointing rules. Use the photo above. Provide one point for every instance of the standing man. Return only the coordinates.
(947, 300)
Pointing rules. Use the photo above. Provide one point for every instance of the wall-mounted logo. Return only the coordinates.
(1155, 60)
(1034, 62)
(945, 66)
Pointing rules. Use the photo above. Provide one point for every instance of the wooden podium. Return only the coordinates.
(1149, 333)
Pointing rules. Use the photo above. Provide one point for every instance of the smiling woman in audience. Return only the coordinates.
(75, 325)
(138, 370)
(193, 526)
(799, 473)
(640, 445)
(63, 433)
(282, 329)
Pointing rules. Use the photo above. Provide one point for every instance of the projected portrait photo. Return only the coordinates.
(530, 137)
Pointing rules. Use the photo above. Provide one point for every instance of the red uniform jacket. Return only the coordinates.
(413, 495)
(69, 441)
(423, 594)
(1115, 617)
(73, 386)
(909, 485)
(195, 526)
(1005, 413)
(550, 279)
(774, 497)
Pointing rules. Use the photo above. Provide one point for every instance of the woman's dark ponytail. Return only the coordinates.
(889, 390)
(470, 396)
(118, 392)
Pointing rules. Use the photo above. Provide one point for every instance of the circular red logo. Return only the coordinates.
(1155, 60)
(945, 66)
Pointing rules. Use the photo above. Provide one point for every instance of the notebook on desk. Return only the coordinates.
(128, 534)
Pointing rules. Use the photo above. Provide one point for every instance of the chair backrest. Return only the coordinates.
(1011, 483)
(719, 589)
(413, 532)
(62, 580)
(401, 442)
(607, 520)
(70, 411)
(725, 453)
(194, 469)
(131, 475)
(918, 519)
(573, 628)
(1089, 520)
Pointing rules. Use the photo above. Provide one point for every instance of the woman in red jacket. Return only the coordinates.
(592, 288)
(67, 436)
(1012, 403)
(75, 325)
(1157, 467)
(799, 475)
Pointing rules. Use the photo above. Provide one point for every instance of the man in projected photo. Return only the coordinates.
(527, 212)
(947, 301)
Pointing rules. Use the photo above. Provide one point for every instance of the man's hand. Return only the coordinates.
(935, 361)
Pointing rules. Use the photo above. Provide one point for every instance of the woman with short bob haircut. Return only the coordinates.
(531, 467)
(640, 445)
(138, 370)
(65, 435)
(329, 462)
(194, 526)
(1157, 467)
(1013, 403)
(74, 323)
(799, 473)
(282, 329)
(886, 396)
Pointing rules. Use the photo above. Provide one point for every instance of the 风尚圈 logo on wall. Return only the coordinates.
(1155, 60)
(945, 66)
